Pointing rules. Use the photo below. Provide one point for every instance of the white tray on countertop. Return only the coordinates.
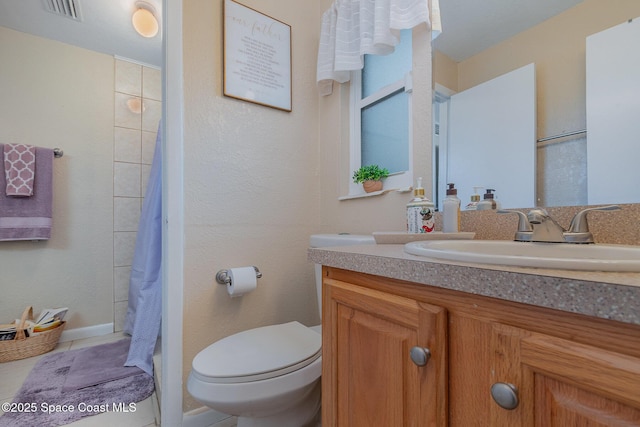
(402, 237)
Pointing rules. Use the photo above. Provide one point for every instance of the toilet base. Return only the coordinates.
(306, 414)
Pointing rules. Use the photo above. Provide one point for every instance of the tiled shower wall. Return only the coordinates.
(138, 110)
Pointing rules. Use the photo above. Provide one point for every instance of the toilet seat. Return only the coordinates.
(258, 354)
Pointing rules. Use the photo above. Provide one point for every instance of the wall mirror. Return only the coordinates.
(484, 40)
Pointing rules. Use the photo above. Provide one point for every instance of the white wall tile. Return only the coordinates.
(151, 83)
(126, 214)
(121, 283)
(127, 145)
(151, 115)
(128, 78)
(124, 116)
(146, 170)
(148, 146)
(126, 177)
(134, 145)
(123, 247)
(119, 315)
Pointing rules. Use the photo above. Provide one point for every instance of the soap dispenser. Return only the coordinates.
(488, 202)
(451, 211)
(420, 212)
(475, 199)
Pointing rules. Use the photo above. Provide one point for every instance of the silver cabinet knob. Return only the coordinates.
(505, 395)
(420, 355)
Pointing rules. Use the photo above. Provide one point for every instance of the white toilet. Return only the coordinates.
(267, 376)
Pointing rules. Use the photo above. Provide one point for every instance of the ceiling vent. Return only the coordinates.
(66, 8)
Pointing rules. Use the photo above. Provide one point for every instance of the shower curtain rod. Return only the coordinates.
(57, 153)
(562, 135)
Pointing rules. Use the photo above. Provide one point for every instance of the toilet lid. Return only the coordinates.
(258, 353)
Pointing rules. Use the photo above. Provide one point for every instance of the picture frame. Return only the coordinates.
(257, 57)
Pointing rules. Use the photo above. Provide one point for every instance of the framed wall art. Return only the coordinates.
(257, 57)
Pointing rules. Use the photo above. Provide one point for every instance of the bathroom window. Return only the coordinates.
(381, 114)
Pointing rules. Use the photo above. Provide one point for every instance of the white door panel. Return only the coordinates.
(613, 115)
(492, 139)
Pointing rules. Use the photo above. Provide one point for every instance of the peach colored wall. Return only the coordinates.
(445, 70)
(251, 183)
(260, 181)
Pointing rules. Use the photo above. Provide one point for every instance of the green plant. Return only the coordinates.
(370, 173)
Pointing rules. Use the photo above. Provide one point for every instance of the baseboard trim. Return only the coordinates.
(204, 417)
(86, 332)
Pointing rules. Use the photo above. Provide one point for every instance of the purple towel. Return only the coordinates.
(29, 218)
(19, 169)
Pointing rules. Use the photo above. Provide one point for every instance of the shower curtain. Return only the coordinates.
(145, 284)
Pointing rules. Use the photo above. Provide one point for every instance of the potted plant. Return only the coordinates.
(371, 177)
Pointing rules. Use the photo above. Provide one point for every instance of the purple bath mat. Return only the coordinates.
(100, 364)
(42, 401)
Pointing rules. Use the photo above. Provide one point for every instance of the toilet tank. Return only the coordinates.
(328, 240)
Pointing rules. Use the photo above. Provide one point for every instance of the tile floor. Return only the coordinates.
(14, 373)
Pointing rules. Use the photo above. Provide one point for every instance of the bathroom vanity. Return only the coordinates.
(415, 341)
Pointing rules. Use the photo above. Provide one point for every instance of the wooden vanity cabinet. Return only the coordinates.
(566, 369)
(369, 378)
(564, 383)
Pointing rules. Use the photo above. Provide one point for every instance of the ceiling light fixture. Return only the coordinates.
(144, 20)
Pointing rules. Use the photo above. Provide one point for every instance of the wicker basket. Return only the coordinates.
(22, 347)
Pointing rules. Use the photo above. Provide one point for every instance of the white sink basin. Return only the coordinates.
(591, 257)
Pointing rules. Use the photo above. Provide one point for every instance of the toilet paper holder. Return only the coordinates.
(223, 278)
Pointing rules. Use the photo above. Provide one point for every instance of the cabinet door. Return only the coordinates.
(506, 371)
(580, 385)
(562, 383)
(369, 377)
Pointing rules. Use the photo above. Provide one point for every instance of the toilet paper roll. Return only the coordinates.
(243, 280)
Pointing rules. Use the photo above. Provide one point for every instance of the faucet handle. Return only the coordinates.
(579, 222)
(525, 229)
(579, 227)
(523, 221)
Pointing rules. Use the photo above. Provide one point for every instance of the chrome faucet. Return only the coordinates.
(538, 226)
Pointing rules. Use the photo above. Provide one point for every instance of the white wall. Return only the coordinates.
(56, 95)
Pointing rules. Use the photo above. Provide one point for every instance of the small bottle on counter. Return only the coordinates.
(451, 211)
(487, 202)
(420, 212)
(475, 199)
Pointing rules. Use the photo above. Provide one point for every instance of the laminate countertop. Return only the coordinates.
(607, 295)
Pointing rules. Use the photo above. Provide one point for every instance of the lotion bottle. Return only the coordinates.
(420, 212)
(487, 202)
(451, 211)
(475, 199)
